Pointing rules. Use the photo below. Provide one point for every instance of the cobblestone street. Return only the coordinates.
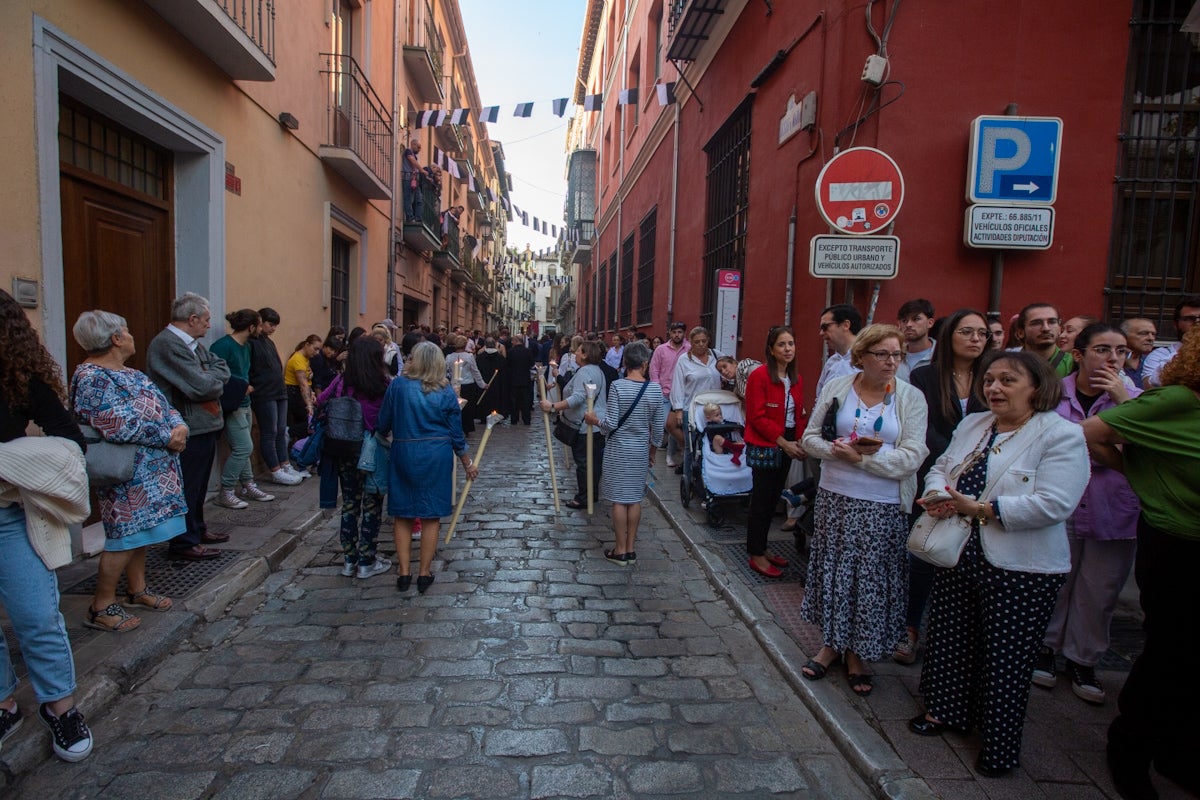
(532, 668)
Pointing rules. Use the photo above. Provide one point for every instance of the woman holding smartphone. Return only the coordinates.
(1016, 473)
(858, 568)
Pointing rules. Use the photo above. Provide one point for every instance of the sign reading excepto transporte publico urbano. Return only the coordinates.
(860, 191)
(729, 293)
(1014, 160)
(873, 257)
(1009, 227)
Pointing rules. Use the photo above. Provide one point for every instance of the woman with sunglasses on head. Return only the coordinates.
(948, 385)
(857, 583)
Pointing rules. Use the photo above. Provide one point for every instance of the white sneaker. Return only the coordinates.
(284, 478)
(227, 499)
(250, 491)
(299, 473)
(348, 569)
(369, 570)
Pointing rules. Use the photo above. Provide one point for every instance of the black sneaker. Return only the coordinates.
(69, 733)
(1045, 669)
(1084, 683)
(9, 722)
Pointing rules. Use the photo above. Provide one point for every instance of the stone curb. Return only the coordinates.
(114, 675)
(862, 745)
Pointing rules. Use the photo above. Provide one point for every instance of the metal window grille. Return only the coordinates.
(1154, 241)
(645, 277)
(627, 281)
(339, 283)
(727, 204)
(610, 311)
(95, 144)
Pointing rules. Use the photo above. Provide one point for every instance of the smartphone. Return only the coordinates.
(869, 441)
(935, 497)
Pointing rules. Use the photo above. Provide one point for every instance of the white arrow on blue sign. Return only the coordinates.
(1014, 160)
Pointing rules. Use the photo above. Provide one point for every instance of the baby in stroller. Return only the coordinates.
(723, 436)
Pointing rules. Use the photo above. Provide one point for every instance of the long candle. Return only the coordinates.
(492, 419)
(590, 388)
(549, 440)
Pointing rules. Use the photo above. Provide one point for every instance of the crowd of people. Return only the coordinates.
(1066, 447)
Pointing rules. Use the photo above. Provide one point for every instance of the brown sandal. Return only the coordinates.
(124, 623)
(146, 599)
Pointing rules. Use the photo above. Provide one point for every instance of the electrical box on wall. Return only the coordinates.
(874, 70)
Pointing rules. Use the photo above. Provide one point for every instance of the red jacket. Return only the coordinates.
(765, 412)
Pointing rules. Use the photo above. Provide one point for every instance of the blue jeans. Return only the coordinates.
(272, 431)
(237, 433)
(328, 470)
(29, 593)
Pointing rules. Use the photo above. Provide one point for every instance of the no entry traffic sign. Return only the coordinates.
(860, 190)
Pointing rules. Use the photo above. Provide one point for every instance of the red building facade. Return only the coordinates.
(706, 183)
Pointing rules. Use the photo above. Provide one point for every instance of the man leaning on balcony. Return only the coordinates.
(412, 182)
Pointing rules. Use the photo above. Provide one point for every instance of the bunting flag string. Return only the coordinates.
(665, 92)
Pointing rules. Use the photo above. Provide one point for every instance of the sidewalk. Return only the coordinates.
(108, 665)
(1063, 751)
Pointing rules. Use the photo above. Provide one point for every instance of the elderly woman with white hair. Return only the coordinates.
(126, 407)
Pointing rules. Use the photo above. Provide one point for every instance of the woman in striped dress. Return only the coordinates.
(633, 417)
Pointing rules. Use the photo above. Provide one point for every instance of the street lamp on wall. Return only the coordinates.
(485, 228)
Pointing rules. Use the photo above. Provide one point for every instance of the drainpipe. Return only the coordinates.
(674, 219)
(391, 255)
(791, 268)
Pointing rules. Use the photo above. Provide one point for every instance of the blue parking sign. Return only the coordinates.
(1014, 160)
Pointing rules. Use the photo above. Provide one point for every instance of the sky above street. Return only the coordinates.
(528, 52)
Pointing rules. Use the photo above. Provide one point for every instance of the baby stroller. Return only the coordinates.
(710, 476)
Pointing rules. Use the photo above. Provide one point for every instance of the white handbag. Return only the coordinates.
(939, 541)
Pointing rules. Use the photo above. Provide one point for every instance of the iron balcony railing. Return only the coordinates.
(450, 239)
(256, 18)
(432, 43)
(357, 118)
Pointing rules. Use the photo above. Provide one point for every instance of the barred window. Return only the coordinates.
(645, 276)
(339, 283)
(727, 204)
(1154, 240)
(610, 311)
(627, 281)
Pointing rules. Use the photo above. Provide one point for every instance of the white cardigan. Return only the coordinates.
(1045, 469)
(900, 464)
(46, 475)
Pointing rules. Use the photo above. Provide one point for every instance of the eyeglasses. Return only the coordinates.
(974, 333)
(1107, 350)
(1192, 318)
(882, 356)
(825, 326)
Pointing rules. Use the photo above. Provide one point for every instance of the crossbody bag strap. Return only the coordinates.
(632, 406)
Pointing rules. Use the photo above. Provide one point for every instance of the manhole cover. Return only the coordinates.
(735, 555)
(176, 579)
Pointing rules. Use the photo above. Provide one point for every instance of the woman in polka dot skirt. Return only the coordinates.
(1017, 471)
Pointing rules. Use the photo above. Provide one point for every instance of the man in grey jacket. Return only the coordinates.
(192, 379)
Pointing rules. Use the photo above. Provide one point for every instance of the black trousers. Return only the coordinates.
(1158, 710)
(521, 400)
(196, 462)
(579, 452)
(764, 497)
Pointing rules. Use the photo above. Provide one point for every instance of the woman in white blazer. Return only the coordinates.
(1017, 471)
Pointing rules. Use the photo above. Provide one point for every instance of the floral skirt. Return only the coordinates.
(857, 587)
